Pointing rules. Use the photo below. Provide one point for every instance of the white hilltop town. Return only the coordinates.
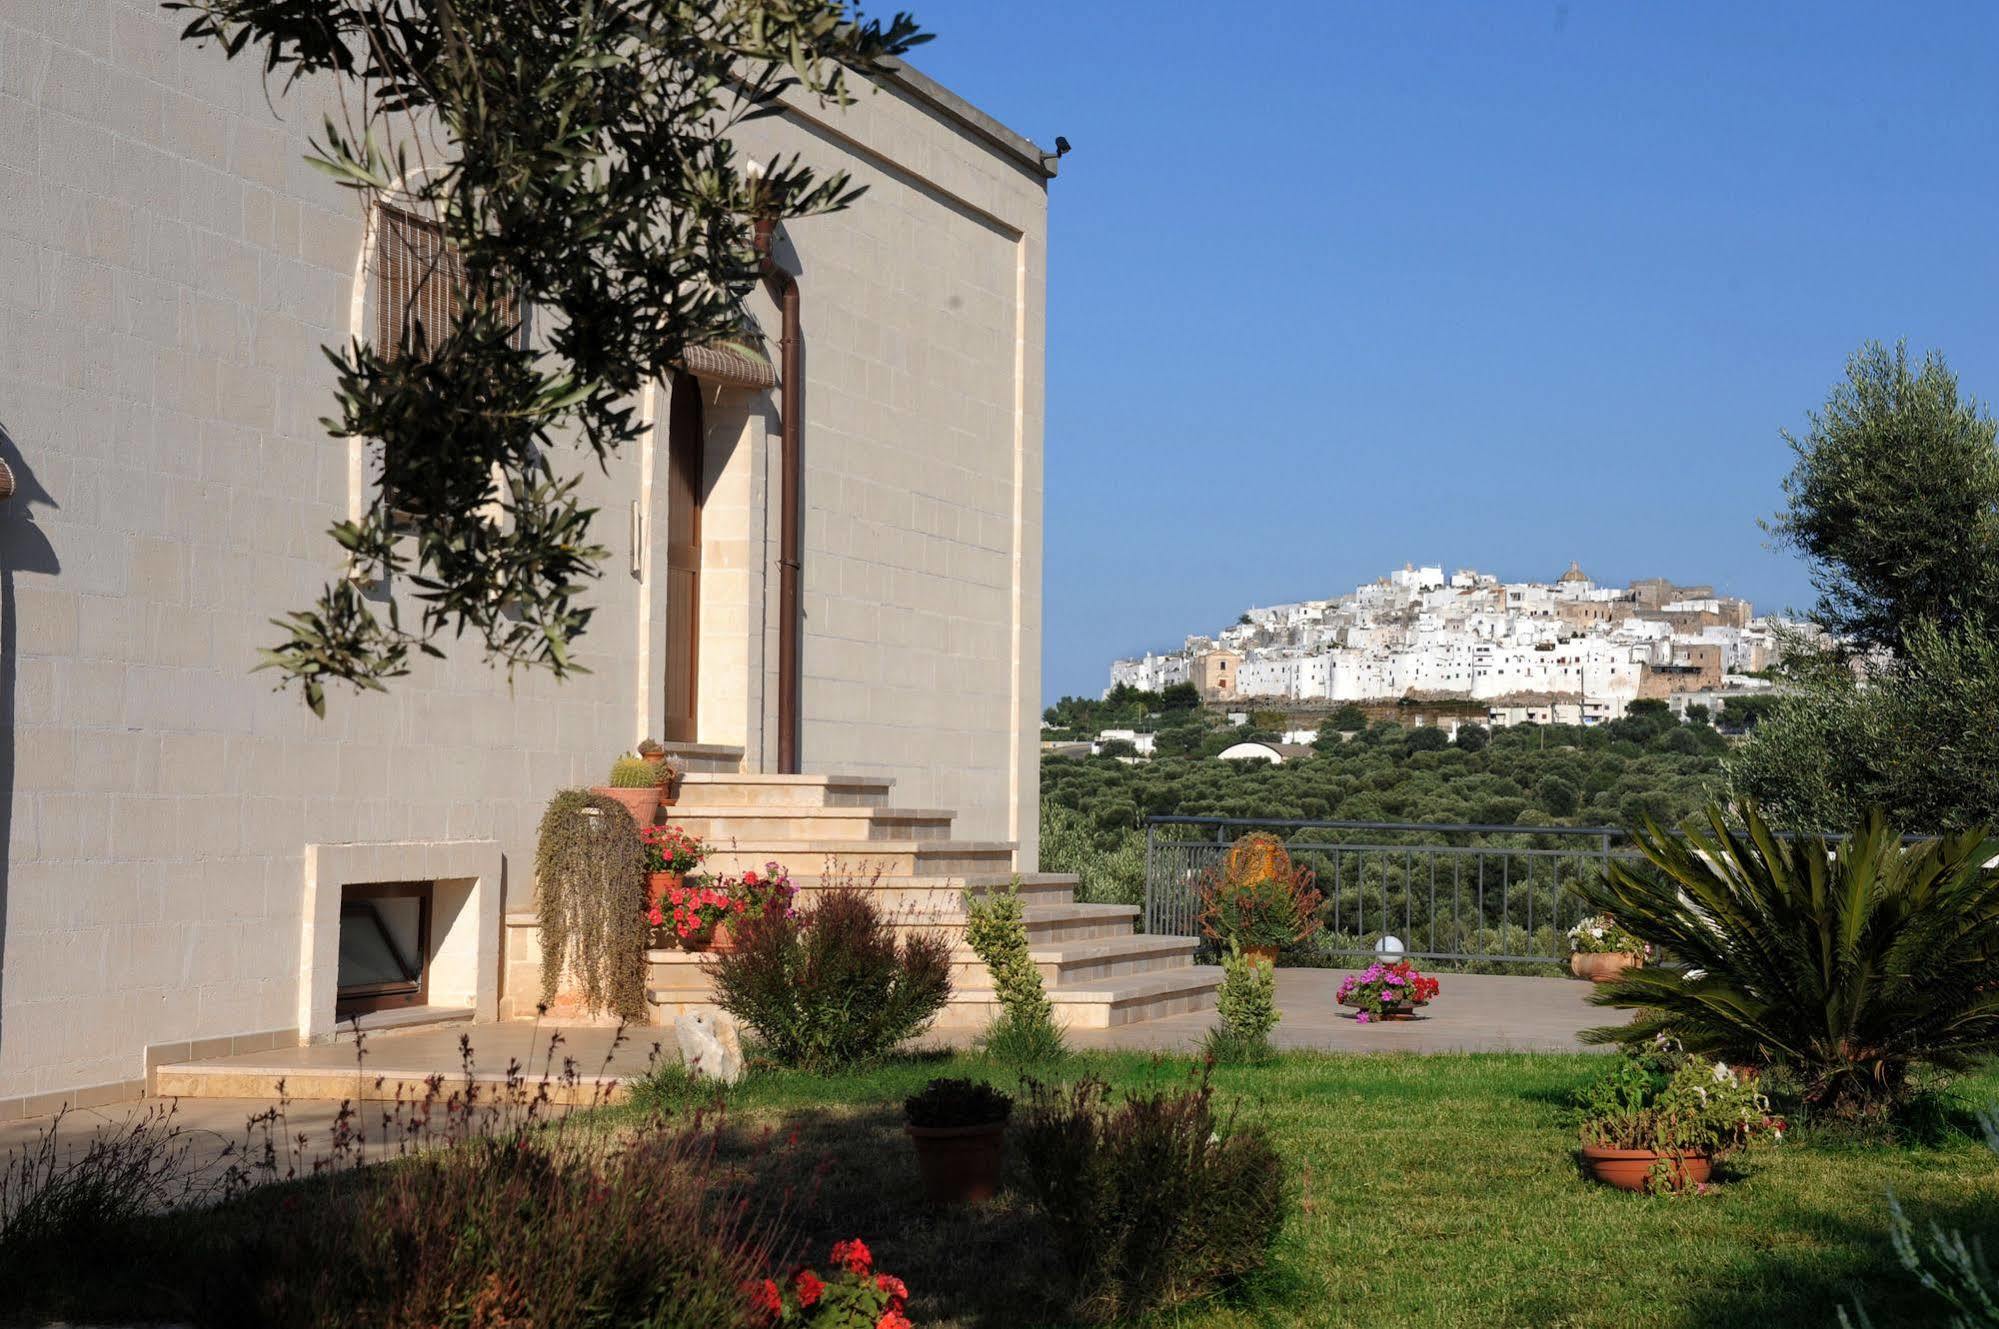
(1562, 652)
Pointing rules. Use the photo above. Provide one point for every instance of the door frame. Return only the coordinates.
(686, 450)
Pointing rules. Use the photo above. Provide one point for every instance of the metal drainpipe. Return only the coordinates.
(791, 520)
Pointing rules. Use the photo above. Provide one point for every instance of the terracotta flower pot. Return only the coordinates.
(1388, 1013)
(959, 1164)
(723, 942)
(659, 883)
(643, 804)
(1604, 965)
(1634, 1169)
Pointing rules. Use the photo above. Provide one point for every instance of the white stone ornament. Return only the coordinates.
(709, 1046)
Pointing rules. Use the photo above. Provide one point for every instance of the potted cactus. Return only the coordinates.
(636, 783)
(959, 1130)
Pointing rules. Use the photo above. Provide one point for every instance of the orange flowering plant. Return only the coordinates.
(853, 1295)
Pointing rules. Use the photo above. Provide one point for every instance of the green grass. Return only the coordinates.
(1430, 1190)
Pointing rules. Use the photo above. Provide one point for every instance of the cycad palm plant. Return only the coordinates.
(1852, 962)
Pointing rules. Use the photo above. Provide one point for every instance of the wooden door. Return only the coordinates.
(685, 441)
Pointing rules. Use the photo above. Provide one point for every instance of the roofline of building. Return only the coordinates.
(1024, 150)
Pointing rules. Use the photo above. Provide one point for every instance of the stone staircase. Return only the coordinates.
(831, 830)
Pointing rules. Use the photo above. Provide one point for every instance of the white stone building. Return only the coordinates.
(179, 837)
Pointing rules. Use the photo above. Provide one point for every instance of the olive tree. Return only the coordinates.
(576, 160)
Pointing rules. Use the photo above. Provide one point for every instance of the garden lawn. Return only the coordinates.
(1429, 1190)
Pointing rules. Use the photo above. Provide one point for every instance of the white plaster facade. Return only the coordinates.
(169, 267)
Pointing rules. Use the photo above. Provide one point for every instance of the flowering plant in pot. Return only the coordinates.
(1258, 899)
(850, 1294)
(1600, 949)
(1659, 1122)
(672, 856)
(755, 894)
(1386, 990)
(688, 911)
(959, 1130)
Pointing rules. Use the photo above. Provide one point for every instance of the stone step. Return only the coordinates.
(868, 861)
(707, 789)
(1081, 962)
(686, 975)
(707, 758)
(1047, 924)
(942, 895)
(754, 825)
(1102, 1003)
(244, 1077)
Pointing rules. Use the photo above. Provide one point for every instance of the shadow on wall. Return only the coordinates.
(23, 548)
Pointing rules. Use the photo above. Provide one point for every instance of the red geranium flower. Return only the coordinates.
(852, 1255)
(808, 1286)
(898, 1291)
(764, 1297)
(893, 1320)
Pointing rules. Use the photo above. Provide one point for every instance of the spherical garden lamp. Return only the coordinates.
(1389, 949)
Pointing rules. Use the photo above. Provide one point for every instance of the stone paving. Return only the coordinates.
(1474, 1013)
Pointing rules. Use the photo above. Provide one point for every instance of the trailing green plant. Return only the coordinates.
(1246, 1007)
(1854, 963)
(1024, 1032)
(1946, 1263)
(579, 160)
(955, 1102)
(1151, 1201)
(590, 903)
(832, 985)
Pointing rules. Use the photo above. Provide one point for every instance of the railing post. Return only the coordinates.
(1150, 886)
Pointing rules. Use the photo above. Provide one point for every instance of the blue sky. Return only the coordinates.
(1342, 285)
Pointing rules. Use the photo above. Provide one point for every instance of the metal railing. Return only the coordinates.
(1457, 891)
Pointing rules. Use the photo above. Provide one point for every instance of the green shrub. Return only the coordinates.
(1247, 1009)
(1152, 1201)
(833, 985)
(62, 1206)
(1946, 1264)
(1025, 1032)
(951, 1102)
(527, 1229)
(590, 901)
(1854, 963)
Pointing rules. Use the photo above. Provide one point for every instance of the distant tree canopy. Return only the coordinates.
(1613, 774)
(1894, 501)
(1920, 740)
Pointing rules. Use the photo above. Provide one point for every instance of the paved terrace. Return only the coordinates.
(1474, 1013)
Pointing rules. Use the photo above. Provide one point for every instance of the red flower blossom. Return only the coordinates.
(893, 1320)
(764, 1297)
(898, 1291)
(852, 1255)
(808, 1286)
